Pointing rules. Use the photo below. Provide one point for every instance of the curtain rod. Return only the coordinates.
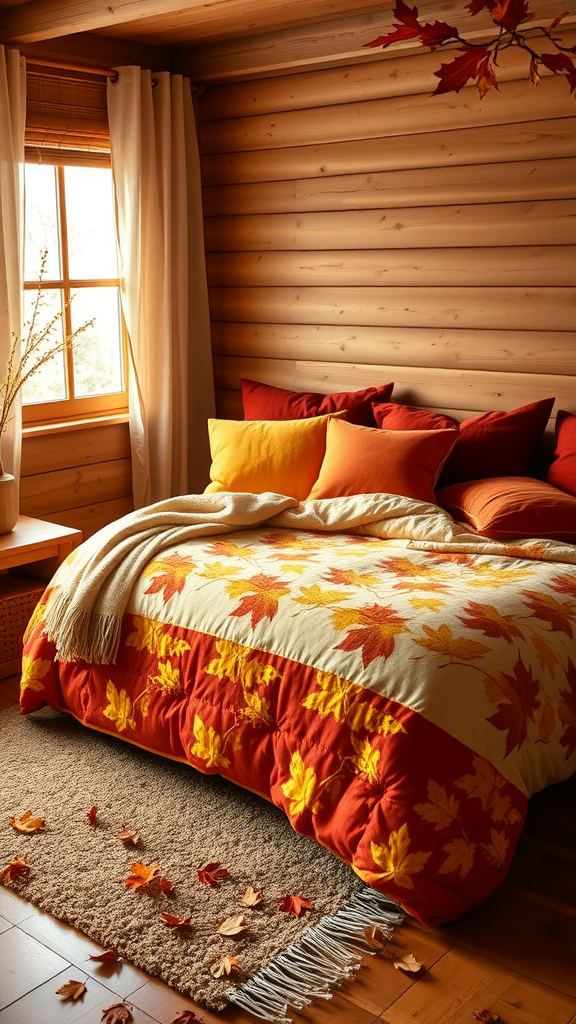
(105, 72)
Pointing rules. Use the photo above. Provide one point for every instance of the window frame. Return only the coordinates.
(72, 409)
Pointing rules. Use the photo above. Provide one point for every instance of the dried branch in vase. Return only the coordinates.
(28, 354)
(478, 61)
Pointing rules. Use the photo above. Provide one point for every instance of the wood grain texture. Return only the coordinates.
(44, 493)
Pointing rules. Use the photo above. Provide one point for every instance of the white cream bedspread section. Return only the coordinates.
(389, 593)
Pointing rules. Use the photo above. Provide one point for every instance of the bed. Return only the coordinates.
(396, 682)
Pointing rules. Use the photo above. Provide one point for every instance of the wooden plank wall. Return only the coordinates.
(359, 230)
(80, 478)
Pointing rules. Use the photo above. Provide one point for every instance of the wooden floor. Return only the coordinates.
(515, 955)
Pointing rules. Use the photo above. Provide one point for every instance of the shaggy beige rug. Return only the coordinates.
(58, 769)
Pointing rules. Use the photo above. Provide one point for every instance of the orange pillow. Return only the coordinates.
(365, 460)
(282, 456)
(512, 506)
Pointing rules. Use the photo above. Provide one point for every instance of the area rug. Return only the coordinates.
(58, 769)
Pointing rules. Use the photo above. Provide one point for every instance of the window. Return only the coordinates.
(69, 216)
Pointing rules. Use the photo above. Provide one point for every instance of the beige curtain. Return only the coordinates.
(12, 126)
(156, 172)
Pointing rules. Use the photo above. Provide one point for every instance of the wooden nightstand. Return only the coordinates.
(29, 557)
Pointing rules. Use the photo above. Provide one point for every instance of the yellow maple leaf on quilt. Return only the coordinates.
(230, 549)
(234, 663)
(257, 708)
(351, 578)
(486, 785)
(316, 596)
(442, 641)
(168, 678)
(365, 760)
(460, 857)
(34, 671)
(151, 636)
(119, 708)
(302, 787)
(395, 860)
(442, 808)
(547, 657)
(433, 604)
(218, 571)
(209, 746)
(347, 702)
(488, 574)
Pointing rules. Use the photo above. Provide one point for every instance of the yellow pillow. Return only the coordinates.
(283, 456)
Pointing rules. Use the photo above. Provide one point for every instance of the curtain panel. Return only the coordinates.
(12, 127)
(156, 169)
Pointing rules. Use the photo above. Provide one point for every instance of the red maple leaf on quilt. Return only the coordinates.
(169, 575)
(518, 704)
(548, 609)
(261, 596)
(379, 625)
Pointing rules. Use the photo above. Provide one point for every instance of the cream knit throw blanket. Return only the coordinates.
(84, 615)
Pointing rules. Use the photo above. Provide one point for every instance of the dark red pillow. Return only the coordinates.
(497, 444)
(264, 402)
(509, 507)
(392, 416)
(562, 472)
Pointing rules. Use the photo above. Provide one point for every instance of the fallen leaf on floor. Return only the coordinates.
(18, 868)
(164, 885)
(225, 965)
(142, 875)
(128, 835)
(408, 963)
(211, 874)
(118, 1013)
(486, 1016)
(91, 815)
(235, 926)
(250, 897)
(175, 922)
(71, 990)
(108, 956)
(295, 905)
(27, 823)
(185, 1017)
(376, 938)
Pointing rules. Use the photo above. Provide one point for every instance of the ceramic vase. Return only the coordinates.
(8, 502)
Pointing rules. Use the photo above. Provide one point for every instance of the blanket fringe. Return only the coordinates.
(327, 953)
(82, 635)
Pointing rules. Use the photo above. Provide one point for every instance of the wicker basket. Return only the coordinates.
(18, 598)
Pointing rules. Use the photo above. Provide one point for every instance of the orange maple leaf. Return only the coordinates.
(442, 642)
(212, 873)
(172, 921)
(27, 823)
(295, 905)
(142, 875)
(490, 621)
(262, 594)
(547, 608)
(380, 624)
(17, 869)
(169, 574)
(564, 584)
(109, 956)
(518, 705)
(71, 990)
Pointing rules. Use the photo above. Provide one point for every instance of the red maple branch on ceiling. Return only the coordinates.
(478, 61)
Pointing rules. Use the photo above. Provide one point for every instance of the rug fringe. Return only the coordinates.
(327, 953)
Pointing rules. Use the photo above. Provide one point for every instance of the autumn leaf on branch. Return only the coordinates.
(211, 874)
(250, 897)
(17, 869)
(118, 1013)
(128, 836)
(477, 61)
(225, 965)
(71, 990)
(172, 921)
(91, 815)
(27, 823)
(109, 956)
(235, 927)
(295, 905)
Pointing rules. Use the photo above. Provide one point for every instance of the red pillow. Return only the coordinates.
(505, 507)
(392, 416)
(562, 472)
(264, 402)
(361, 460)
(497, 444)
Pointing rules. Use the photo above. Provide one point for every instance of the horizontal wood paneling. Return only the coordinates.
(475, 308)
(43, 453)
(91, 518)
(62, 489)
(547, 139)
(428, 386)
(541, 351)
(507, 265)
(404, 115)
(551, 222)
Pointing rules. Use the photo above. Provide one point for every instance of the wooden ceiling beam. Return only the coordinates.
(46, 19)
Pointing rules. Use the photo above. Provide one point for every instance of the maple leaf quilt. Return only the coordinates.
(399, 687)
